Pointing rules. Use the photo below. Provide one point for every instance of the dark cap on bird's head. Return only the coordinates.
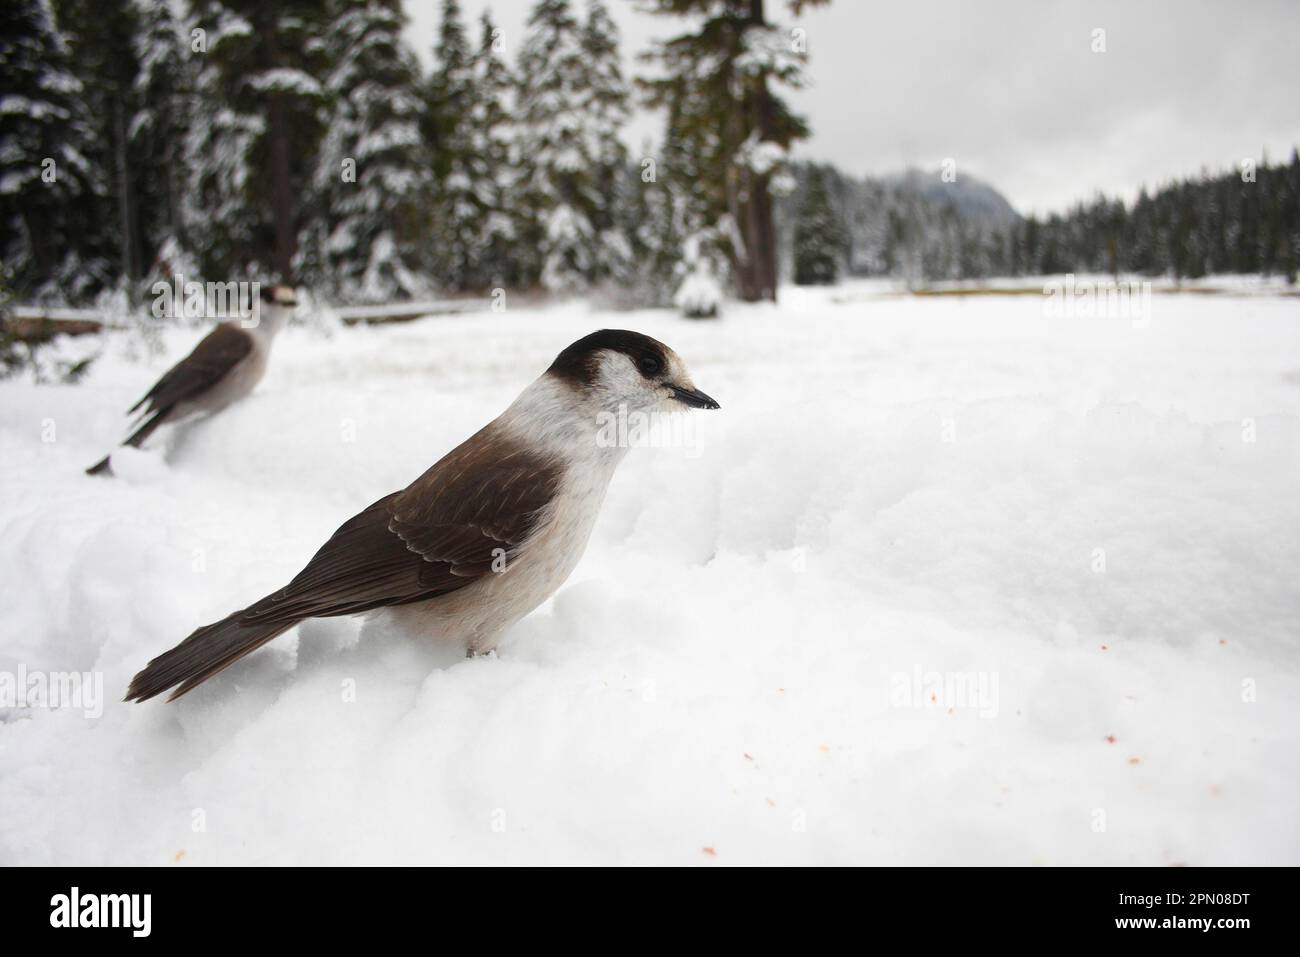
(277, 294)
(625, 362)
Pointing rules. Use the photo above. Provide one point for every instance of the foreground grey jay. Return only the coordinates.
(224, 367)
(480, 539)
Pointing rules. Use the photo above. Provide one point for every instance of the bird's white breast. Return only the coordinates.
(478, 614)
(242, 379)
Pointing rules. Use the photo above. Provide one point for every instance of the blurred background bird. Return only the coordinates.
(225, 366)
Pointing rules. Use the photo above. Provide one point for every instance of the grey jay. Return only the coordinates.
(480, 539)
(225, 366)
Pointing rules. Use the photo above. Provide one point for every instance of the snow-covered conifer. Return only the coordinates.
(372, 174)
(458, 209)
(818, 236)
(571, 102)
(157, 134)
(253, 157)
(495, 257)
(50, 191)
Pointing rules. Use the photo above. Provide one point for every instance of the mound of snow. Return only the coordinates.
(700, 294)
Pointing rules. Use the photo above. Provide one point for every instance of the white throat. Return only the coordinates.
(270, 321)
(551, 415)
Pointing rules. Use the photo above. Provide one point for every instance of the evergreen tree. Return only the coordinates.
(101, 37)
(818, 236)
(494, 258)
(605, 113)
(654, 234)
(718, 82)
(226, 230)
(561, 147)
(157, 133)
(256, 149)
(373, 175)
(690, 149)
(452, 97)
(51, 194)
(450, 86)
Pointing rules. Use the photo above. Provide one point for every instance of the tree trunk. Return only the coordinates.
(741, 261)
(756, 274)
(172, 156)
(764, 227)
(281, 192)
(126, 223)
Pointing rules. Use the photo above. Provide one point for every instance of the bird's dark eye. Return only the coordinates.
(649, 365)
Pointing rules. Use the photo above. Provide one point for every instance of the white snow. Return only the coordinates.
(1072, 512)
(761, 156)
(700, 294)
(773, 51)
(285, 80)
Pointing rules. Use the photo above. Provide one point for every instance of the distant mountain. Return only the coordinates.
(911, 224)
(975, 200)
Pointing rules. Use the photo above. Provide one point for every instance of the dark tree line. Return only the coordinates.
(1244, 221)
(301, 139)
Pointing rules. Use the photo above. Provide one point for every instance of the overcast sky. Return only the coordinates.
(1011, 89)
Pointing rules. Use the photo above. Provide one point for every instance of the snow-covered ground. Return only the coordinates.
(945, 581)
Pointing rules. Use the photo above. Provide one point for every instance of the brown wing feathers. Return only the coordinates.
(438, 535)
(215, 355)
(484, 496)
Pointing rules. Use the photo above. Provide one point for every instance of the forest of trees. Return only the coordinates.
(1244, 221)
(915, 228)
(303, 140)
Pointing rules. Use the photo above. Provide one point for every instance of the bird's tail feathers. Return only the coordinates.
(208, 650)
(101, 467)
(148, 424)
(146, 429)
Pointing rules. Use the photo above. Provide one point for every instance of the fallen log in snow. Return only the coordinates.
(35, 325)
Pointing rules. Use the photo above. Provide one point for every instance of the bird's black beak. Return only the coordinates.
(693, 397)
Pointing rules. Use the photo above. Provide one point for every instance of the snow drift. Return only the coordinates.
(946, 581)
